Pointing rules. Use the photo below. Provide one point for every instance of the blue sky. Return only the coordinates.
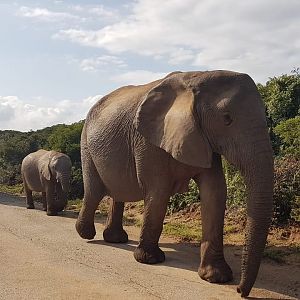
(58, 57)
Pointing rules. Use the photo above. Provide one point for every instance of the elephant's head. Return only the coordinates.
(191, 115)
(58, 169)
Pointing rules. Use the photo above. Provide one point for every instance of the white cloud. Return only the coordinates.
(258, 37)
(100, 63)
(77, 7)
(180, 56)
(101, 11)
(98, 11)
(43, 14)
(137, 77)
(19, 115)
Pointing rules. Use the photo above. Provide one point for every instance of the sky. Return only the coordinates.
(57, 58)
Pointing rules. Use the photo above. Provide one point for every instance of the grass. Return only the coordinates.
(74, 204)
(12, 189)
(131, 221)
(185, 232)
(228, 228)
(275, 255)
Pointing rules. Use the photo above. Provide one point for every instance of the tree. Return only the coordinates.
(66, 139)
(289, 133)
(281, 96)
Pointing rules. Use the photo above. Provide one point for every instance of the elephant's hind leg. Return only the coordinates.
(114, 232)
(28, 193)
(94, 191)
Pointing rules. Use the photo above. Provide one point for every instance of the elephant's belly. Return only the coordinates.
(124, 189)
(34, 183)
(120, 181)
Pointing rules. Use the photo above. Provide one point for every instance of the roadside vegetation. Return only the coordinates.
(281, 96)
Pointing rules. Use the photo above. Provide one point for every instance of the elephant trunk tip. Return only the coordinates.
(243, 290)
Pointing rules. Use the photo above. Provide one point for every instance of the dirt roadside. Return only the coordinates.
(43, 258)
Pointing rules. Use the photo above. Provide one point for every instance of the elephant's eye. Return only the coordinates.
(227, 119)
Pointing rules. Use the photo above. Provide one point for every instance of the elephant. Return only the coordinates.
(147, 142)
(47, 172)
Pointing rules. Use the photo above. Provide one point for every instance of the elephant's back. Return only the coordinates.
(121, 102)
(109, 124)
(30, 171)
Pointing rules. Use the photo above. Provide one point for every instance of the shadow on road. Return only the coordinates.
(186, 255)
(12, 200)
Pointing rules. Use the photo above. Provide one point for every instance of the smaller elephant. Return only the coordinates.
(47, 172)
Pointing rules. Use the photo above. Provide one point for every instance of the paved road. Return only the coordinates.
(42, 257)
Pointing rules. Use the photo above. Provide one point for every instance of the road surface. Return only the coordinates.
(43, 257)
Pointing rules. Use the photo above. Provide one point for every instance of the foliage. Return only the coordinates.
(66, 139)
(236, 188)
(76, 189)
(282, 97)
(289, 133)
(286, 190)
(180, 201)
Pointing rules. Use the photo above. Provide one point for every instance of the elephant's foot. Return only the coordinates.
(30, 206)
(216, 272)
(115, 235)
(60, 208)
(85, 230)
(51, 213)
(149, 254)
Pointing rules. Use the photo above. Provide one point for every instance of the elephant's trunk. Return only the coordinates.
(258, 173)
(62, 191)
(64, 180)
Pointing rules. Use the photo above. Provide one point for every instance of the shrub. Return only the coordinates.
(180, 201)
(286, 190)
(76, 183)
(236, 189)
(289, 133)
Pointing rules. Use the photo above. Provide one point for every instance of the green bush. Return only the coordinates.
(181, 201)
(289, 133)
(281, 96)
(76, 183)
(236, 188)
(286, 190)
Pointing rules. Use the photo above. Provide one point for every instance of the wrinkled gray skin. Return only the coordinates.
(47, 172)
(147, 142)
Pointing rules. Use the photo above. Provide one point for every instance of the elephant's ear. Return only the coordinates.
(166, 118)
(45, 169)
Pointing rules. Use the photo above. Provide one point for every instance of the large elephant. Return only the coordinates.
(47, 172)
(147, 142)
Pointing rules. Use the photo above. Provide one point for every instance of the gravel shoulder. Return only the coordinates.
(44, 258)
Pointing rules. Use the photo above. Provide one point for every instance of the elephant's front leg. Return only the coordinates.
(148, 251)
(51, 211)
(114, 232)
(212, 186)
